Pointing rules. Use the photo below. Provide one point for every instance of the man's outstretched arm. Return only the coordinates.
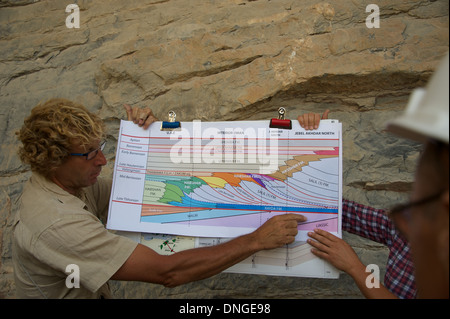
(146, 265)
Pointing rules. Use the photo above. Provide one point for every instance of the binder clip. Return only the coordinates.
(280, 122)
(172, 124)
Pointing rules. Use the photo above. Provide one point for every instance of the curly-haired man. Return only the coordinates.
(59, 219)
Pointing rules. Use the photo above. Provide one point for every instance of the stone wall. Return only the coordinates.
(226, 60)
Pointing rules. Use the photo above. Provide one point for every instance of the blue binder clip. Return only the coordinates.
(172, 124)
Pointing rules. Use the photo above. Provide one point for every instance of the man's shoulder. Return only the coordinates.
(42, 204)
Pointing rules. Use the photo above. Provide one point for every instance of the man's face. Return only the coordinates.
(427, 228)
(78, 172)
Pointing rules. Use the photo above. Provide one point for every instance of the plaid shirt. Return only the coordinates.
(373, 224)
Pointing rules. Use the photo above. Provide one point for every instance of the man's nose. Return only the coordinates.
(100, 159)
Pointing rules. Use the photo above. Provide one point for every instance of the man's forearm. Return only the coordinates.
(198, 264)
(144, 264)
(360, 276)
(201, 263)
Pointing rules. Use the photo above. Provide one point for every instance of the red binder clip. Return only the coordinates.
(280, 122)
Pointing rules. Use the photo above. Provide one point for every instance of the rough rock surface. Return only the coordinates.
(226, 60)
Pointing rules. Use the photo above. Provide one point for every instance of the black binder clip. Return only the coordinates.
(172, 124)
(280, 122)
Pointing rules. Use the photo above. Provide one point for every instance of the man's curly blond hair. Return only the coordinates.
(53, 129)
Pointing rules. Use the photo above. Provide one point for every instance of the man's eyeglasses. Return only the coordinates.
(92, 154)
(405, 209)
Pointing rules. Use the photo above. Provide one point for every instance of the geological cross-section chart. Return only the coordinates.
(307, 184)
(226, 179)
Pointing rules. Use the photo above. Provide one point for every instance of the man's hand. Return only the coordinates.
(335, 250)
(278, 231)
(142, 117)
(310, 121)
(342, 256)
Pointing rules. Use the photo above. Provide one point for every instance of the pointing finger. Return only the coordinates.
(297, 217)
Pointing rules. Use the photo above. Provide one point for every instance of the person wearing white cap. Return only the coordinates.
(373, 224)
(425, 220)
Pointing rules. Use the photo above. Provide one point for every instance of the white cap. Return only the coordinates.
(426, 115)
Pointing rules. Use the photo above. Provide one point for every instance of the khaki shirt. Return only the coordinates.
(54, 229)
